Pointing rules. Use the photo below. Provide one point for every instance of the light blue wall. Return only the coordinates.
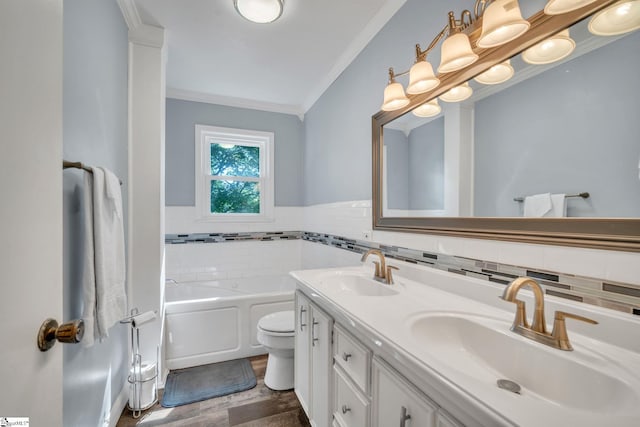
(338, 126)
(94, 132)
(182, 116)
(426, 166)
(563, 137)
(397, 162)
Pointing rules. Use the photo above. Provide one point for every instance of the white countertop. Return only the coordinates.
(463, 383)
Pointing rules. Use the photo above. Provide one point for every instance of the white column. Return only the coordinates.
(147, 59)
(458, 160)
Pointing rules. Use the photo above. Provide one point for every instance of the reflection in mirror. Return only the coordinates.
(564, 128)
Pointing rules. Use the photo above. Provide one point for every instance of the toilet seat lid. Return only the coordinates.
(281, 321)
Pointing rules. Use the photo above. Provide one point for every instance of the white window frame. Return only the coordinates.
(264, 140)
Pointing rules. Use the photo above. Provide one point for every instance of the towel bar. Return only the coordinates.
(584, 195)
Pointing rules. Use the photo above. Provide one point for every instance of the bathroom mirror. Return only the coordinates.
(454, 174)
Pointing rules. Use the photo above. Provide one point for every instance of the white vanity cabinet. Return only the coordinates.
(313, 361)
(397, 402)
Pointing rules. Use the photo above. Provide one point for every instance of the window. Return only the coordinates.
(234, 174)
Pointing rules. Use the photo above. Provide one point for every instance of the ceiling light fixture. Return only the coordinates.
(553, 49)
(501, 22)
(619, 18)
(428, 109)
(259, 11)
(497, 74)
(558, 7)
(458, 93)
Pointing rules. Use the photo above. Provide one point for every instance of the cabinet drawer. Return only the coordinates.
(350, 407)
(353, 357)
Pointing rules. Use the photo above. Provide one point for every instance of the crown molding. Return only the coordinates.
(353, 50)
(130, 13)
(229, 101)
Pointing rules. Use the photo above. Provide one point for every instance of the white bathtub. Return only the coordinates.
(213, 321)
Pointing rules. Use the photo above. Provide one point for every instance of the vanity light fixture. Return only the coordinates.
(500, 20)
(558, 7)
(421, 75)
(619, 18)
(259, 11)
(553, 49)
(428, 109)
(456, 50)
(458, 93)
(394, 97)
(497, 74)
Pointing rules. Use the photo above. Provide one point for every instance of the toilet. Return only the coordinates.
(276, 332)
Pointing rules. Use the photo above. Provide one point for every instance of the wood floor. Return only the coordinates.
(258, 407)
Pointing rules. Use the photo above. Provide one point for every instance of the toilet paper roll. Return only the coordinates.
(143, 318)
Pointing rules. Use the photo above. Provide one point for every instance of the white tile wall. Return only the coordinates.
(350, 219)
(212, 261)
(353, 219)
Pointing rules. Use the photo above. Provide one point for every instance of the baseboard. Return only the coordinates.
(119, 405)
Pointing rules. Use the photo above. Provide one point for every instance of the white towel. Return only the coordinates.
(88, 266)
(537, 205)
(558, 206)
(108, 233)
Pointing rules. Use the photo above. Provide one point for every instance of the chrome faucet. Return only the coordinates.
(537, 331)
(383, 271)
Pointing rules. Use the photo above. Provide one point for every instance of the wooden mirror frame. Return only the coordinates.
(622, 234)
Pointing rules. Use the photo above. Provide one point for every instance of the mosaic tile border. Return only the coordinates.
(175, 239)
(617, 296)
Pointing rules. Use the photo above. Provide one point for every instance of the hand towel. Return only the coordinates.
(558, 206)
(88, 265)
(537, 205)
(108, 233)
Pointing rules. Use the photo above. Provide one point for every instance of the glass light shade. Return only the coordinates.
(428, 109)
(557, 7)
(550, 50)
(394, 97)
(421, 78)
(499, 73)
(458, 93)
(259, 11)
(502, 22)
(456, 53)
(619, 18)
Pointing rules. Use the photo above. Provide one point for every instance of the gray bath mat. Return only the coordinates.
(204, 382)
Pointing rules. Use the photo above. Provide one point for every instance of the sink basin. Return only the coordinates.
(355, 284)
(484, 349)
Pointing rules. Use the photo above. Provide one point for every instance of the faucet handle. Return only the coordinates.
(389, 276)
(377, 272)
(559, 331)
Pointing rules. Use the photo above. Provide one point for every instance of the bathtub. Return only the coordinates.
(214, 321)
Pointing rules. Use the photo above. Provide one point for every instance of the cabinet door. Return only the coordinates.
(397, 403)
(302, 358)
(322, 357)
(445, 420)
